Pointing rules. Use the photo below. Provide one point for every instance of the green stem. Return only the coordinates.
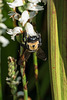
(14, 97)
(36, 73)
(0, 77)
(24, 77)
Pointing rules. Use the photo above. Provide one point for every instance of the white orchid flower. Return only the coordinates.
(26, 16)
(34, 1)
(34, 7)
(2, 25)
(4, 41)
(14, 32)
(30, 30)
(16, 3)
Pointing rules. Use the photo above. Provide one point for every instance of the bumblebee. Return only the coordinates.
(32, 44)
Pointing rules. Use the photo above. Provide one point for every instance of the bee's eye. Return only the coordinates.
(33, 46)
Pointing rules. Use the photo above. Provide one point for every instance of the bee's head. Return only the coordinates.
(33, 46)
(33, 42)
(32, 39)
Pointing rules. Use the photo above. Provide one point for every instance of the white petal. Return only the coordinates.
(17, 30)
(20, 93)
(14, 32)
(14, 82)
(34, 7)
(11, 13)
(34, 1)
(4, 41)
(16, 3)
(3, 19)
(2, 31)
(2, 25)
(10, 32)
(18, 78)
(13, 38)
(8, 79)
(32, 14)
(30, 30)
(24, 17)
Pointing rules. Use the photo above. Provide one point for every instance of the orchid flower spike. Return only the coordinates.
(16, 3)
(30, 30)
(14, 32)
(34, 7)
(26, 16)
(4, 41)
(34, 1)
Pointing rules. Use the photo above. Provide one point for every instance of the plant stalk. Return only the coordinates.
(22, 67)
(36, 74)
(14, 97)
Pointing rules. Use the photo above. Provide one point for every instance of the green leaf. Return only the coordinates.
(57, 47)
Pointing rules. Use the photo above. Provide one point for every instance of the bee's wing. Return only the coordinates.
(41, 54)
(25, 56)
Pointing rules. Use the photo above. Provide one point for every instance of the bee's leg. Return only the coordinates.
(24, 57)
(23, 45)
